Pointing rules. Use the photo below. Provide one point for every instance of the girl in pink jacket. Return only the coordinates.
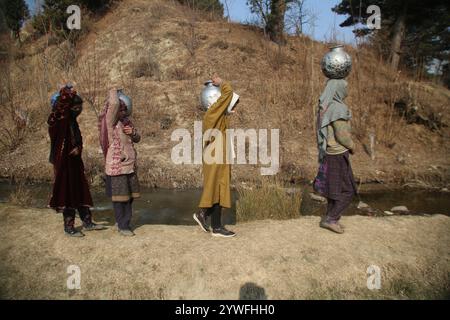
(117, 138)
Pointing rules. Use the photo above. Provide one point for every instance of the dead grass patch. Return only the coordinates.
(21, 196)
(147, 67)
(267, 199)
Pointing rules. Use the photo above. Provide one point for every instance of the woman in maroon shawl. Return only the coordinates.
(70, 188)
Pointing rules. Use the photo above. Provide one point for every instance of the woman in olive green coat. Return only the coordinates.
(216, 174)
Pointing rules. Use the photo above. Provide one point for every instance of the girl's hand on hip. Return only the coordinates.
(128, 130)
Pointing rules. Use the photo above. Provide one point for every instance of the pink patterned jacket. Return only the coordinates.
(121, 155)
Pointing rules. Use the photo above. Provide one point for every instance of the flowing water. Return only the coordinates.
(175, 207)
(156, 206)
(419, 202)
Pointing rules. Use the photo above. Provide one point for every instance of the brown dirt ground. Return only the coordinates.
(292, 259)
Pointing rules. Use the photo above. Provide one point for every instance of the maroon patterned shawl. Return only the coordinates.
(70, 188)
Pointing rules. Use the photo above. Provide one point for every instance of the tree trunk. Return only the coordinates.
(275, 26)
(397, 39)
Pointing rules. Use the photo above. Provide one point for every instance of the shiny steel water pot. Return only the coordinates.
(337, 63)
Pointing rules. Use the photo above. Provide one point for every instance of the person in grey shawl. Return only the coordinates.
(335, 144)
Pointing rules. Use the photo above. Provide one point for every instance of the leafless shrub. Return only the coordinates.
(298, 16)
(21, 196)
(223, 45)
(87, 77)
(166, 122)
(147, 67)
(14, 118)
(159, 11)
(191, 41)
(277, 58)
(246, 49)
(179, 73)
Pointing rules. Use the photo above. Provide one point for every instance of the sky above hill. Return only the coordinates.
(326, 22)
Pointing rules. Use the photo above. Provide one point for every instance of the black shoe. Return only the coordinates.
(222, 232)
(200, 218)
(93, 226)
(72, 232)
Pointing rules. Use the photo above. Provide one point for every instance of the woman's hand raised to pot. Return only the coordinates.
(217, 81)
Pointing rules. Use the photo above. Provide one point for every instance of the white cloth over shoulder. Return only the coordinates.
(233, 102)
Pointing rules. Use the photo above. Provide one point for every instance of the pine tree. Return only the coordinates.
(54, 15)
(14, 12)
(417, 30)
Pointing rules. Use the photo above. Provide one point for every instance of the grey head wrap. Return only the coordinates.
(331, 108)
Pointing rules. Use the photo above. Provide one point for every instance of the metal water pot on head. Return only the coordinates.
(209, 95)
(337, 63)
(126, 100)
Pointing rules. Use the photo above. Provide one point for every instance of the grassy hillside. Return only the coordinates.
(161, 52)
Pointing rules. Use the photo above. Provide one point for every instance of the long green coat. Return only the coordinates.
(216, 177)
